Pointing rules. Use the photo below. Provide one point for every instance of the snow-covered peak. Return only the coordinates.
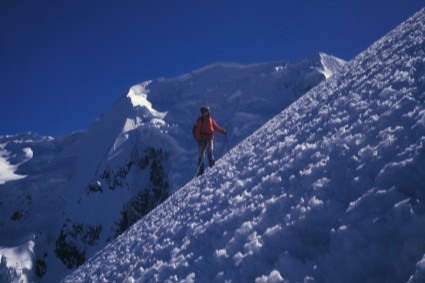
(329, 190)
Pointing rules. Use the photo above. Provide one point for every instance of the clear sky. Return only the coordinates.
(65, 62)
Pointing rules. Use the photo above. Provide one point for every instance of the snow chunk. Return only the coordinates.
(221, 253)
(315, 202)
(274, 277)
(278, 68)
(28, 152)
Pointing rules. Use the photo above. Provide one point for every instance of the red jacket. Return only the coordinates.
(204, 128)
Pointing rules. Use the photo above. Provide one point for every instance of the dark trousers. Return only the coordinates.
(205, 148)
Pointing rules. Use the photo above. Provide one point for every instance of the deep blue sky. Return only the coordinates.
(65, 62)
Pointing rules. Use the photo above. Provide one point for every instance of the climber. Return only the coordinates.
(203, 132)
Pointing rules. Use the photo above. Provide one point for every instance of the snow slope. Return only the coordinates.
(329, 190)
(73, 195)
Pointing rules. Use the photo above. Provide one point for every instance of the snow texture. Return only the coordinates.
(329, 190)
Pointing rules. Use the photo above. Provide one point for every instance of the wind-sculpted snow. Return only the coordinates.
(329, 190)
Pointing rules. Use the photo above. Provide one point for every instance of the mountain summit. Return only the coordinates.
(69, 197)
(329, 190)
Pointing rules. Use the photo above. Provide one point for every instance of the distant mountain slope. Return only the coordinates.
(77, 193)
(329, 190)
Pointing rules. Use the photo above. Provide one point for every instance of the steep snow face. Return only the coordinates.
(82, 191)
(329, 190)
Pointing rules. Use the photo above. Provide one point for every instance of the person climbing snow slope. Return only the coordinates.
(203, 132)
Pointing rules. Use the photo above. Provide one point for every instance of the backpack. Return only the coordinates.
(204, 125)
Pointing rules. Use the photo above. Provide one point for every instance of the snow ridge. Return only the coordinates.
(329, 190)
